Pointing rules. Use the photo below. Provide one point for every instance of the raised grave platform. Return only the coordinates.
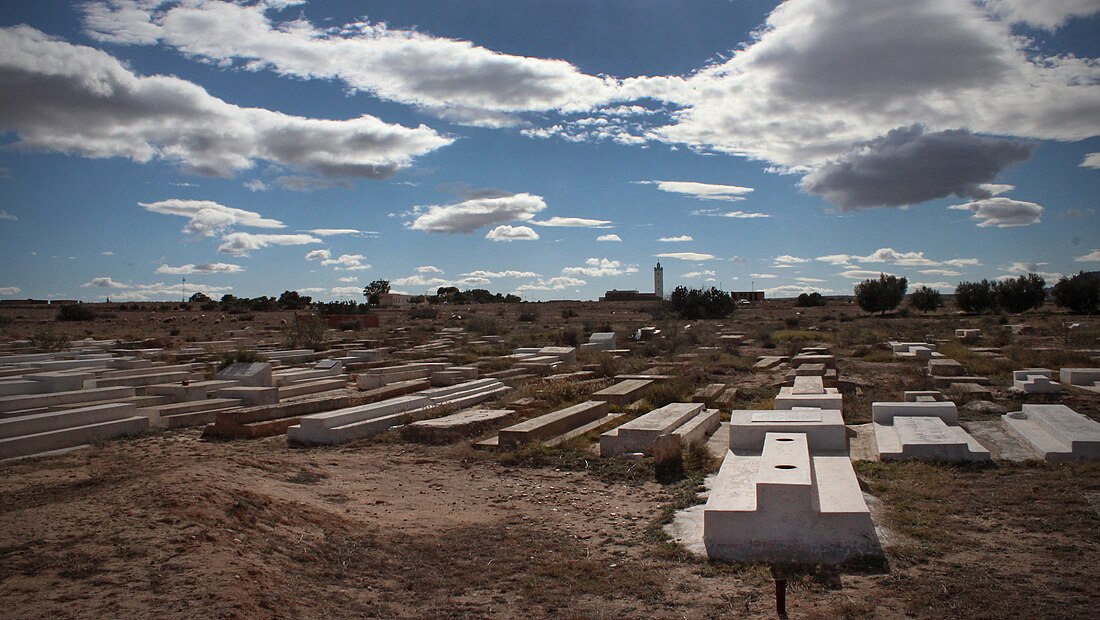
(1057, 433)
(923, 430)
(687, 421)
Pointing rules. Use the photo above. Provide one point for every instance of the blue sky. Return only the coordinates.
(554, 149)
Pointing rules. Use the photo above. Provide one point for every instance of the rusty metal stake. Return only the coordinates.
(781, 597)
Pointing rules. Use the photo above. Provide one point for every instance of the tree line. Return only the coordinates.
(1079, 294)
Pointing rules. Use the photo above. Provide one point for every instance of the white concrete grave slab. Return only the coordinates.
(824, 428)
(1035, 381)
(639, 434)
(1056, 432)
(248, 374)
(828, 398)
(923, 430)
(604, 341)
(1085, 378)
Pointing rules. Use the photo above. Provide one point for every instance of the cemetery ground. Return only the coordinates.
(171, 526)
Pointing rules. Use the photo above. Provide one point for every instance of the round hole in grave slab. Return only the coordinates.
(784, 439)
(786, 467)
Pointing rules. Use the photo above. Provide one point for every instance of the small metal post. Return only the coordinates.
(781, 598)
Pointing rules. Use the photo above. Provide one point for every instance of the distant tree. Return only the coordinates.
(882, 294)
(200, 298)
(926, 299)
(1079, 294)
(975, 297)
(1021, 294)
(75, 312)
(702, 304)
(810, 300)
(448, 294)
(291, 300)
(374, 291)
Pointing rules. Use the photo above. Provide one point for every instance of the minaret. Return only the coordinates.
(659, 281)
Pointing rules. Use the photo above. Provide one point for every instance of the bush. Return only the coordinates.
(307, 332)
(423, 312)
(528, 316)
(926, 299)
(46, 340)
(244, 356)
(75, 312)
(479, 324)
(5, 320)
(810, 301)
(975, 297)
(1021, 294)
(882, 294)
(699, 304)
(1079, 294)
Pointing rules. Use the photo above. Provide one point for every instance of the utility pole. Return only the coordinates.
(183, 299)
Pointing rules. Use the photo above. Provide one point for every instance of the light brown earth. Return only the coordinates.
(169, 526)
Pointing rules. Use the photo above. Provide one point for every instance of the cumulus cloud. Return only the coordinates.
(428, 269)
(962, 262)
(346, 290)
(702, 191)
(347, 262)
(512, 233)
(330, 232)
(571, 222)
(787, 259)
(1002, 212)
(56, 96)
(611, 237)
(793, 290)
(939, 286)
(738, 215)
(207, 268)
(553, 284)
(908, 166)
(501, 274)
(206, 218)
(882, 255)
(10, 290)
(454, 79)
(1092, 160)
(103, 282)
(475, 213)
(347, 279)
(763, 276)
(696, 256)
(676, 239)
(419, 280)
(699, 274)
(599, 267)
(1048, 14)
(318, 255)
(4, 215)
(241, 243)
(1091, 257)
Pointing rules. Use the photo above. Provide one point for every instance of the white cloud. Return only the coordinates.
(1046, 14)
(1092, 160)
(739, 215)
(696, 256)
(793, 290)
(207, 218)
(205, 268)
(553, 284)
(599, 267)
(881, 255)
(942, 287)
(571, 222)
(318, 255)
(512, 233)
(787, 259)
(428, 269)
(76, 99)
(329, 232)
(809, 280)
(941, 272)
(10, 290)
(962, 262)
(107, 253)
(103, 282)
(312, 289)
(354, 291)
(1002, 212)
(1091, 257)
(996, 189)
(702, 191)
(420, 281)
(4, 215)
(676, 239)
(453, 79)
(1024, 267)
(347, 279)
(470, 215)
(501, 274)
(861, 274)
(611, 237)
(699, 274)
(347, 262)
(763, 276)
(240, 243)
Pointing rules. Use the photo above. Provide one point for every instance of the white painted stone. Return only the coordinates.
(603, 340)
(1035, 381)
(255, 374)
(885, 412)
(1087, 378)
(830, 398)
(824, 428)
(639, 434)
(1056, 432)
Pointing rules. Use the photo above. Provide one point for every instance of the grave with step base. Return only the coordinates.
(1084, 378)
(9, 404)
(1035, 381)
(1055, 432)
(468, 423)
(623, 392)
(248, 374)
(345, 425)
(687, 422)
(808, 391)
(46, 432)
(786, 492)
(923, 430)
(587, 415)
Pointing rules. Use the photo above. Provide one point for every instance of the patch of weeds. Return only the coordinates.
(304, 476)
(569, 458)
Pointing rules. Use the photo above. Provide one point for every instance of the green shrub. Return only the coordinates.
(308, 332)
(882, 294)
(1079, 294)
(75, 312)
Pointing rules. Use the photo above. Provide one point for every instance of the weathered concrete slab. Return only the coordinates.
(449, 428)
(551, 424)
(824, 429)
(1056, 432)
(623, 392)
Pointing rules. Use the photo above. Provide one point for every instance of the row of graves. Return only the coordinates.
(786, 490)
